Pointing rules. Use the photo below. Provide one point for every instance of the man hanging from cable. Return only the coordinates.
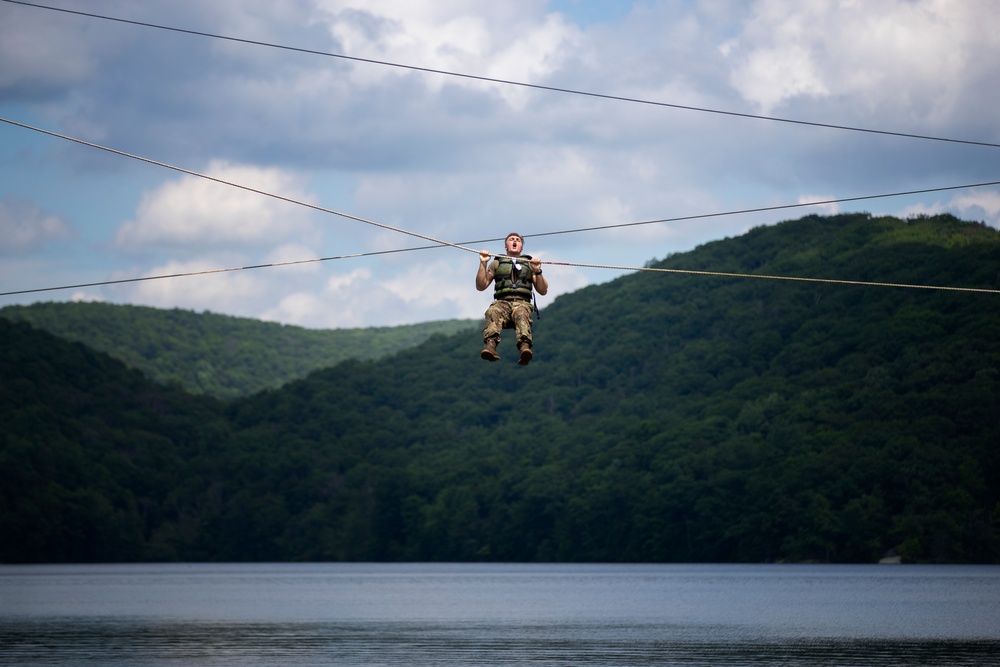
(513, 277)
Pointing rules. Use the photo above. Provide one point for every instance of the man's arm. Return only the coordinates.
(484, 276)
(537, 279)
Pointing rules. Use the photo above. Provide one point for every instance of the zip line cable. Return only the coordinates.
(232, 184)
(210, 271)
(506, 82)
(440, 243)
(763, 209)
(718, 274)
(833, 281)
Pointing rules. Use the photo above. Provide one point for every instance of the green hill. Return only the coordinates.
(218, 355)
(666, 417)
(92, 454)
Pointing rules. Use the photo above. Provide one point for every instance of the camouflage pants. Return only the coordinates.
(514, 315)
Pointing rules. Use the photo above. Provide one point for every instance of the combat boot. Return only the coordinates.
(489, 352)
(526, 354)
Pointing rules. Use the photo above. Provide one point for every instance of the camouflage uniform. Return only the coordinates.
(512, 307)
(512, 313)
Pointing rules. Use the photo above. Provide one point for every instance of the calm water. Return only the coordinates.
(448, 614)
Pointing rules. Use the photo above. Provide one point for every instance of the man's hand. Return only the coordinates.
(537, 279)
(483, 275)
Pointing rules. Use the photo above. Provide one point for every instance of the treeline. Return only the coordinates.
(219, 355)
(666, 417)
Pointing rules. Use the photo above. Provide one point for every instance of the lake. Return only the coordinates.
(499, 614)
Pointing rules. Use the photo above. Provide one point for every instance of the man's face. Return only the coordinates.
(514, 245)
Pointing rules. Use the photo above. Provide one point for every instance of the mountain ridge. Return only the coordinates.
(219, 355)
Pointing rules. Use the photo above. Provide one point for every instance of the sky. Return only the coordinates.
(294, 140)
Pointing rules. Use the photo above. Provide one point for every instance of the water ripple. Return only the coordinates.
(65, 642)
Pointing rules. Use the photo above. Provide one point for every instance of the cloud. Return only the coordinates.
(41, 55)
(512, 40)
(820, 209)
(424, 289)
(357, 296)
(193, 212)
(899, 55)
(84, 297)
(982, 206)
(238, 292)
(25, 228)
(312, 110)
(342, 301)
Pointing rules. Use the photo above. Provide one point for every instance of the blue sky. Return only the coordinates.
(590, 12)
(457, 159)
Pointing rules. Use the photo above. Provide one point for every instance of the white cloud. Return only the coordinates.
(979, 205)
(420, 290)
(295, 255)
(343, 300)
(306, 309)
(820, 209)
(224, 292)
(769, 76)
(904, 55)
(512, 40)
(26, 228)
(85, 297)
(197, 213)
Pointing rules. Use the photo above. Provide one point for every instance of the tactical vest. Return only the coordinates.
(509, 282)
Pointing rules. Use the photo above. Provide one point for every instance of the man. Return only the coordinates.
(513, 279)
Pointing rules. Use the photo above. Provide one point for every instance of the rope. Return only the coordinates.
(236, 268)
(834, 281)
(440, 243)
(177, 275)
(235, 185)
(763, 209)
(693, 272)
(507, 82)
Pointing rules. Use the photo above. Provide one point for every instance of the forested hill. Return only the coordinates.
(95, 459)
(219, 355)
(666, 417)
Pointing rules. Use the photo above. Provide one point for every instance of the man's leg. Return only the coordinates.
(521, 314)
(496, 315)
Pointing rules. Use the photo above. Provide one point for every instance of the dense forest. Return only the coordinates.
(666, 417)
(219, 355)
